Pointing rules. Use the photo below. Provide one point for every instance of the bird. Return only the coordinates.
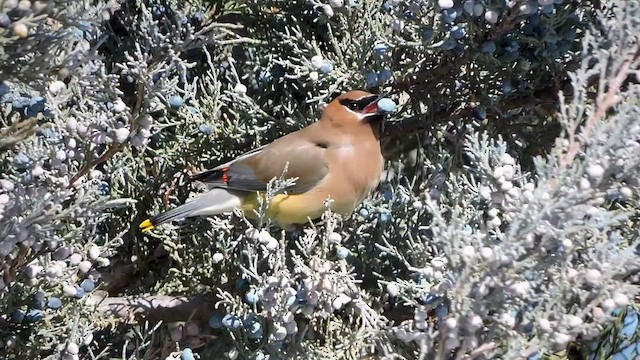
(338, 157)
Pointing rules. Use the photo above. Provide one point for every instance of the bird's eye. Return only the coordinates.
(351, 104)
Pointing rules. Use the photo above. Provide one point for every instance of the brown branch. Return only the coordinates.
(95, 162)
(507, 23)
(154, 308)
(482, 349)
(115, 148)
(17, 132)
(603, 105)
(446, 67)
(544, 98)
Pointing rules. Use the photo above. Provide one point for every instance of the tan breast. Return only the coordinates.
(354, 162)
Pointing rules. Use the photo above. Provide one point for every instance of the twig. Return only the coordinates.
(95, 162)
(480, 350)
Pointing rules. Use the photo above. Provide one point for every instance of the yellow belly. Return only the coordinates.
(291, 209)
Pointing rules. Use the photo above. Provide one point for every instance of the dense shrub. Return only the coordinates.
(506, 225)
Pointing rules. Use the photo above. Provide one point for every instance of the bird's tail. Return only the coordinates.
(213, 202)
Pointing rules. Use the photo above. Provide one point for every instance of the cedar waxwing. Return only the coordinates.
(338, 158)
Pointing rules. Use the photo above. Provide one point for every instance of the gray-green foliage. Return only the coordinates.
(505, 226)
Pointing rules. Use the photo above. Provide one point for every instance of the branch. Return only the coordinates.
(603, 105)
(95, 162)
(17, 132)
(115, 148)
(544, 98)
(478, 352)
(154, 308)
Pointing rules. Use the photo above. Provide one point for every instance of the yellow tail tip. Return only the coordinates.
(146, 225)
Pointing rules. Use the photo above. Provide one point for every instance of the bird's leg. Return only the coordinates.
(169, 191)
(189, 171)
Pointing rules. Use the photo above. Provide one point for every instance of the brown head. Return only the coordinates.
(354, 108)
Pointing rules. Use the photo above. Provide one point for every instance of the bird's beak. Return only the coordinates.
(371, 111)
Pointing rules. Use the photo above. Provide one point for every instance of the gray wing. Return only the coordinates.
(252, 171)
